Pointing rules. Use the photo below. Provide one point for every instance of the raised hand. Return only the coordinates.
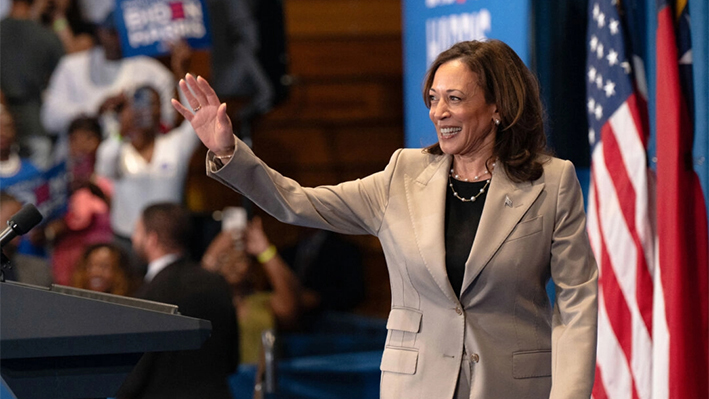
(209, 118)
(255, 238)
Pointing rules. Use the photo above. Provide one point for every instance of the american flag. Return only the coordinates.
(619, 210)
(681, 327)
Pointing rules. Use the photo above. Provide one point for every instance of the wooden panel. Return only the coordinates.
(342, 101)
(342, 17)
(300, 146)
(366, 144)
(352, 57)
(342, 120)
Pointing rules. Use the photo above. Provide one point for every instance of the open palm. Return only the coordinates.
(209, 118)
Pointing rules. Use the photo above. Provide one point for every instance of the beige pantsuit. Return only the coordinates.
(516, 345)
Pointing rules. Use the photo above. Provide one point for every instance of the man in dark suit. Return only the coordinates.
(160, 237)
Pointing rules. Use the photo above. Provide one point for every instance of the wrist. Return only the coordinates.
(225, 153)
(266, 255)
(60, 24)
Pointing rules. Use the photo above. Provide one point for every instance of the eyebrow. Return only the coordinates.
(447, 91)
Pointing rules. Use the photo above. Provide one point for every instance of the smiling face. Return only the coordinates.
(101, 265)
(464, 121)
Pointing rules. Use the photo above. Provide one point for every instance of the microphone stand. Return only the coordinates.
(4, 264)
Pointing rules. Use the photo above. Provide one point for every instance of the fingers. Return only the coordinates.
(182, 110)
(209, 93)
(191, 99)
(222, 117)
(197, 90)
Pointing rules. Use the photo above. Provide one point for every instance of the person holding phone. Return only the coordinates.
(266, 293)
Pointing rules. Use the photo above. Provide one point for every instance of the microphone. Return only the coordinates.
(20, 223)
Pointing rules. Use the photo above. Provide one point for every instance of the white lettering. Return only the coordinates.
(436, 3)
(443, 32)
(154, 23)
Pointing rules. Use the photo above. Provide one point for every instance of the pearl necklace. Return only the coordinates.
(475, 178)
(472, 198)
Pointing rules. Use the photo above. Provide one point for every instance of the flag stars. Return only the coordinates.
(613, 26)
(592, 74)
(591, 136)
(593, 43)
(612, 57)
(609, 88)
(626, 67)
(591, 105)
(599, 51)
(601, 20)
(599, 82)
(598, 112)
(596, 10)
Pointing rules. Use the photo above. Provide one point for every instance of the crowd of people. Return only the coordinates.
(91, 139)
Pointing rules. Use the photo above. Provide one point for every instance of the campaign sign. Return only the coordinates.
(433, 26)
(147, 27)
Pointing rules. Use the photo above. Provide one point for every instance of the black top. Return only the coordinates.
(462, 220)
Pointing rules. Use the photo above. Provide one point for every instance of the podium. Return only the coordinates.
(62, 342)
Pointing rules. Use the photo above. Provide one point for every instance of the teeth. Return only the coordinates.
(450, 130)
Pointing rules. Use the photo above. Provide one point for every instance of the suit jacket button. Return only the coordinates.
(458, 310)
(475, 357)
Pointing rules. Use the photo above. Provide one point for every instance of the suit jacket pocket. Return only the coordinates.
(401, 319)
(526, 228)
(401, 361)
(530, 364)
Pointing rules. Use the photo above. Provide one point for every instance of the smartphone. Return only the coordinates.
(234, 218)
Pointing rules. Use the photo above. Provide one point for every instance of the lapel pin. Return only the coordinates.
(508, 201)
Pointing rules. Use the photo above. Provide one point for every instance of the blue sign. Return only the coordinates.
(147, 27)
(433, 26)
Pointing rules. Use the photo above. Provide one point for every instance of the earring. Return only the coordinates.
(497, 122)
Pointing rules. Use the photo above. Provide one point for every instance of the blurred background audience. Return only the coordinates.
(93, 134)
(87, 220)
(65, 19)
(104, 268)
(266, 293)
(28, 56)
(146, 166)
(95, 82)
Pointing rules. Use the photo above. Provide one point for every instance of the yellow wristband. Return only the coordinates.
(267, 255)
(60, 24)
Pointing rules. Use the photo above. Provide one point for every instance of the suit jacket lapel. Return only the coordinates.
(426, 199)
(505, 205)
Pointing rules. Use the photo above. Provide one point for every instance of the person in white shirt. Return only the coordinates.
(145, 165)
(94, 81)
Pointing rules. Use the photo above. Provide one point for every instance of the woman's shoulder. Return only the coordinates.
(417, 156)
(413, 161)
(558, 171)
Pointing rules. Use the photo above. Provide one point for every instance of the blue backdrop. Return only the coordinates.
(432, 26)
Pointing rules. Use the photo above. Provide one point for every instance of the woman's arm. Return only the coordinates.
(575, 274)
(355, 207)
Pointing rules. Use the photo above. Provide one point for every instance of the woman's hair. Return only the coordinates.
(87, 123)
(123, 281)
(508, 84)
